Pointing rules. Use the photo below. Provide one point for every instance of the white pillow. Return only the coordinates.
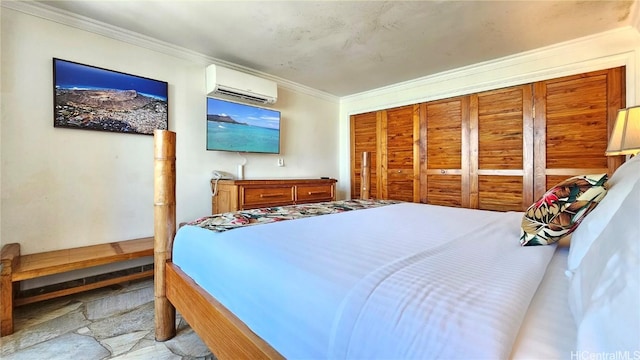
(619, 186)
(604, 294)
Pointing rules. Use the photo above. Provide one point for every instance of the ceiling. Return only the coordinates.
(347, 47)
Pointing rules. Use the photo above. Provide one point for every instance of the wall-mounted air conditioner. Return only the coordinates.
(223, 81)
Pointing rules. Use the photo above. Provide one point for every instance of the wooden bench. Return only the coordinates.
(16, 268)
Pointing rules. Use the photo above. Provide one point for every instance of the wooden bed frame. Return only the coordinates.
(226, 335)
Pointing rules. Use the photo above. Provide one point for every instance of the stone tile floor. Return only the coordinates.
(110, 323)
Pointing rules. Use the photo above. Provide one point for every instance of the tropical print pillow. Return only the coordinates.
(561, 209)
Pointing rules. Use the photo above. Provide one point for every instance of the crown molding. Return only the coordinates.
(515, 61)
(84, 23)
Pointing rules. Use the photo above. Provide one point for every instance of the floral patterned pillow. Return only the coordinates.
(560, 210)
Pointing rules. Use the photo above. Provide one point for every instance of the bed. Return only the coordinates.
(409, 281)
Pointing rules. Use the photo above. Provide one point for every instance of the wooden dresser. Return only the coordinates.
(233, 195)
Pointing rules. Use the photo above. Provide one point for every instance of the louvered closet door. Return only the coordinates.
(444, 161)
(574, 116)
(364, 128)
(399, 134)
(501, 162)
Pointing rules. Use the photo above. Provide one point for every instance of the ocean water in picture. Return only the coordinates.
(241, 137)
(243, 128)
(74, 76)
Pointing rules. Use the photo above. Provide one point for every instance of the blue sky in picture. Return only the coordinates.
(252, 115)
(71, 75)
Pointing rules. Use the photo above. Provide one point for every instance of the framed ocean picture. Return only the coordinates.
(92, 98)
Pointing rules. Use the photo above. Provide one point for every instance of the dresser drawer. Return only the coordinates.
(253, 197)
(234, 195)
(314, 193)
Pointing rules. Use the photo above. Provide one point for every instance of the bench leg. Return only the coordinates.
(9, 257)
(6, 299)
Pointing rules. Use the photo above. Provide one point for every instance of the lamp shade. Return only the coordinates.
(625, 137)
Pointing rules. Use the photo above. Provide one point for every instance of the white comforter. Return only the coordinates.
(400, 281)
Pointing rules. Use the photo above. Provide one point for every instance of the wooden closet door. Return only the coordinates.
(574, 117)
(444, 158)
(501, 147)
(364, 137)
(399, 168)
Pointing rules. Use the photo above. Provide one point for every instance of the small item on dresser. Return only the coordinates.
(240, 171)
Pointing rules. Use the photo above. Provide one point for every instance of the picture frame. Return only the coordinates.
(93, 98)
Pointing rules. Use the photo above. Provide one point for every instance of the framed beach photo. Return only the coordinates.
(92, 98)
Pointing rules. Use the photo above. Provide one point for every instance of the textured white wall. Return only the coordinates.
(63, 188)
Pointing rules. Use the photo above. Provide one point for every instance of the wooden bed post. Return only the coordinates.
(365, 177)
(164, 228)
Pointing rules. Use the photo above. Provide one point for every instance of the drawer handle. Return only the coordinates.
(270, 195)
(316, 192)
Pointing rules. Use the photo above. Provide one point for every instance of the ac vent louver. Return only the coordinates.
(231, 83)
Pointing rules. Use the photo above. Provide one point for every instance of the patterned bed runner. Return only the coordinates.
(232, 220)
